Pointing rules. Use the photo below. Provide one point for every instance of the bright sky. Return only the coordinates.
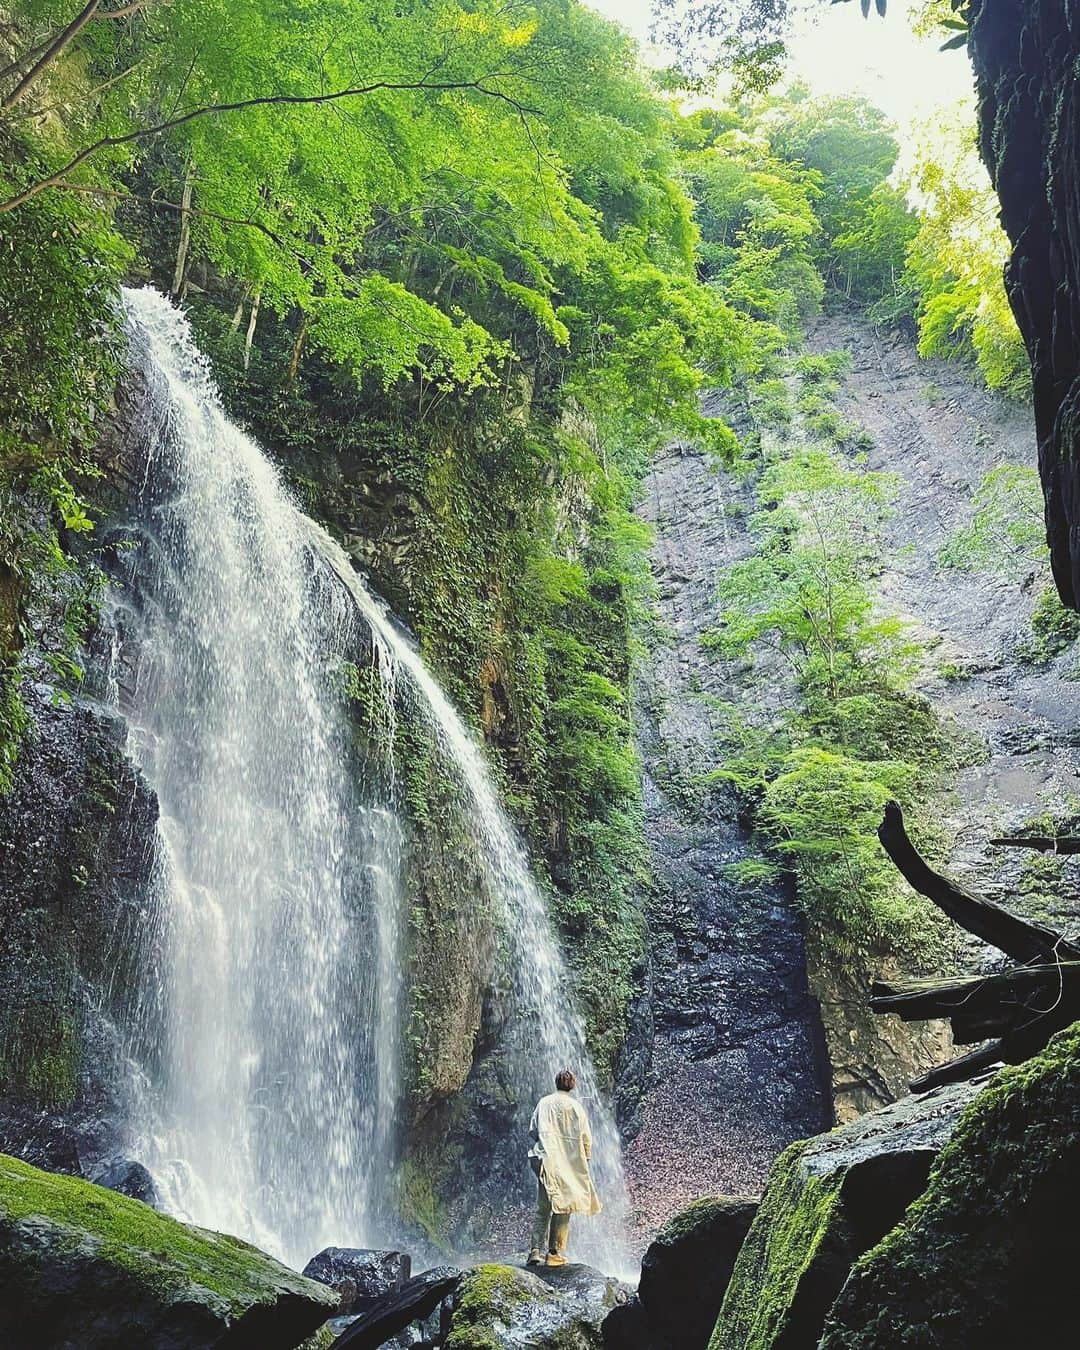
(836, 51)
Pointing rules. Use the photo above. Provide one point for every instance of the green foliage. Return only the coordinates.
(59, 265)
(818, 776)
(850, 149)
(759, 228)
(1053, 630)
(955, 263)
(459, 209)
(1006, 533)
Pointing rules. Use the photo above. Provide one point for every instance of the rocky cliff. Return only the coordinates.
(743, 1016)
(940, 435)
(726, 1063)
(1025, 59)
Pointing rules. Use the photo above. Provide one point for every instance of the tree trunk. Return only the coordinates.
(249, 339)
(185, 232)
(298, 347)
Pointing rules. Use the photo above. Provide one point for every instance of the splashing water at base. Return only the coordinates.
(280, 958)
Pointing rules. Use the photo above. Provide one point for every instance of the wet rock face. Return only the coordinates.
(828, 1201)
(88, 1269)
(76, 913)
(725, 1062)
(128, 1178)
(1025, 58)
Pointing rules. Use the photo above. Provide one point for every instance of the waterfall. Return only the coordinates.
(549, 1032)
(279, 967)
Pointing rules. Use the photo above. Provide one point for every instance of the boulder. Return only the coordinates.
(686, 1269)
(627, 1328)
(506, 1308)
(88, 1269)
(129, 1178)
(829, 1200)
(985, 1259)
(359, 1276)
(584, 1283)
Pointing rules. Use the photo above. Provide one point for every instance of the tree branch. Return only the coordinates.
(1016, 937)
(62, 40)
(52, 43)
(1062, 843)
(266, 101)
(122, 196)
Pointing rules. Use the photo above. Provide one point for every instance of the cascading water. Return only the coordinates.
(280, 910)
(280, 961)
(547, 1031)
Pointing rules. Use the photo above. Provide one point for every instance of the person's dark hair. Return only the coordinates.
(565, 1080)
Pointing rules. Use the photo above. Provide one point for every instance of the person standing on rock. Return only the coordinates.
(560, 1152)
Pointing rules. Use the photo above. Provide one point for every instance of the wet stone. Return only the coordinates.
(361, 1276)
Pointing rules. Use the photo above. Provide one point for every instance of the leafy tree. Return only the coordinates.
(759, 228)
(1006, 533)
(871, 254)
(852, 149)
(955, 265)
(804, 590)
(819, 774)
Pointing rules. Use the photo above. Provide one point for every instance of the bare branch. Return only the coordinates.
(62, 40)
(93, 93)
(118, 195)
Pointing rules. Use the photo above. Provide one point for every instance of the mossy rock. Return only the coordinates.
(686, 1270)
(827, 1201)
(985, 1258)
(88, 1269)
(504, 1307)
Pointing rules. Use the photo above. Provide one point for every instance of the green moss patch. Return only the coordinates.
(149, 1249)
(490, 1294)
(797, 1216)
(502, 1306)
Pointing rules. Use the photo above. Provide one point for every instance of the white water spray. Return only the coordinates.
(282, 898)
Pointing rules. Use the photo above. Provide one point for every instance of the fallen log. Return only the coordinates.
(416, 1300)
(982, 1006)
(1058, 844)
(956, 1070)
(1016, 937)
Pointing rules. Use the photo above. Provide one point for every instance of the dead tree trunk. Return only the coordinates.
(249, 337)
(1016, 937)
(185, 233)
(1020, 1008)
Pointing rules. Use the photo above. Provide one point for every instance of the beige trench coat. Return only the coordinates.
(563, 1145)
